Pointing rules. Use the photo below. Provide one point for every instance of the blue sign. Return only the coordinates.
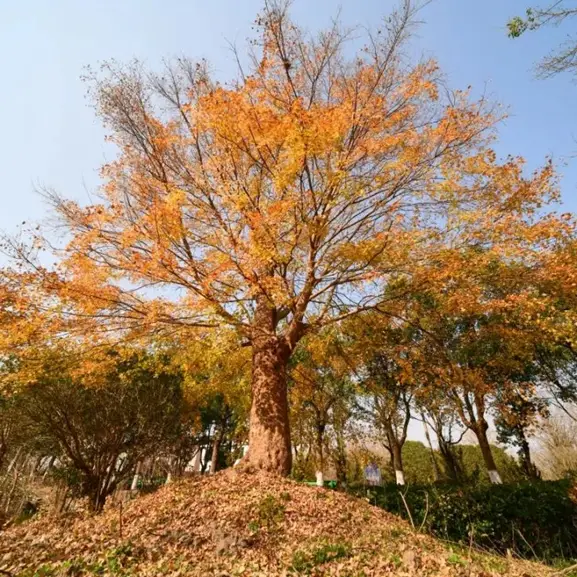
(373, 474)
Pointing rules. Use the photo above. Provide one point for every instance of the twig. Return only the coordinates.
(566, 570)
(527, 542)
(408, 510)
(426, 512)
(120, 520)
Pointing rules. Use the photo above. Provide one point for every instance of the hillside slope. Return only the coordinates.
(237, 523)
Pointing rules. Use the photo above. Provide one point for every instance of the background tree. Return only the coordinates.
(217, 379)
(439, 415)
(516, 420)
(321, 393)
(557, 365)
(8, 430)
(557, 454)
(100, 431)
(390, 390)
(565, 58)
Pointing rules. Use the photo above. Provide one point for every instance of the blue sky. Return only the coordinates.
(51, 137)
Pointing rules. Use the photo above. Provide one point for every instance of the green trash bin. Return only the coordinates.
(329, 484)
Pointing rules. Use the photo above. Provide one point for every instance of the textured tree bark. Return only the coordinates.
(269, 434)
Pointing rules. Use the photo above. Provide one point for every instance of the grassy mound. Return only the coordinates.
(237, 523)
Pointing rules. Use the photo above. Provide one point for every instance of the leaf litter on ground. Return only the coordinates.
(240, 523)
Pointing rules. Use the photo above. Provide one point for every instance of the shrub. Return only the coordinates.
(533, 519)
(418, 463)
(475, 469)
(419, 466)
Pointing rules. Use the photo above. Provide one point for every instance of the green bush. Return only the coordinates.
(418, 463)
(532, 519)
(419, 468)
(475, 469)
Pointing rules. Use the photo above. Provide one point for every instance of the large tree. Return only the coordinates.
(284, 199)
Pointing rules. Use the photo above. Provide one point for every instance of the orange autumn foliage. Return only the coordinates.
(288, 198)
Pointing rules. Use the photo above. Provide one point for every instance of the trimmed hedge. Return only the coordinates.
(532, 519)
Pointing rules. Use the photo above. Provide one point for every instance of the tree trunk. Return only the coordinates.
(49, 466)
(204, 460)
(481, 432)
(92, 488)
(14, 460)
(398, 463)
(433, 457)
(196, 460)
(3, 452)
(341, 461)
(525, 456)
(135, 478)
(269, 435)
(218, 436)
(320, 455)
(452, 467)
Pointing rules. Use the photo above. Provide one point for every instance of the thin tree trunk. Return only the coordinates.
(62, 491)
(14, 460)
(203, 459)
(525, 454)
(321, 458)
(481, 432)
(12, 491)
(169, 474)
(452, 468)
(396, 452)
(136, 478)
(3, 447)
(269, 434)
(196, 460)
(218, 436)
(474, 419)
(92, 489)
(49, 466)
(433, 457)
(341, 461)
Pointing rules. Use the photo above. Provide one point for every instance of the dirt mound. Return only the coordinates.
(240, 524)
